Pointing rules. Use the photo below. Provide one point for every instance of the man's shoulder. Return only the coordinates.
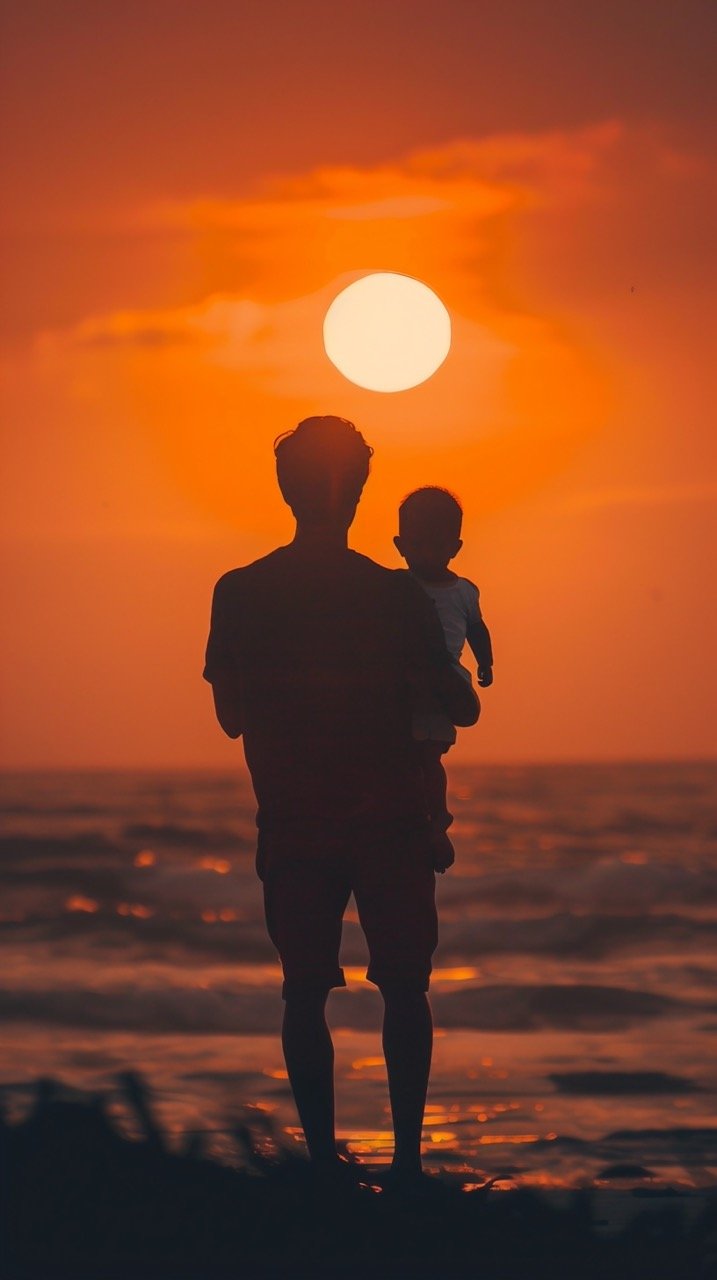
(374, 571)
(234, 581)
(361, 575)
(399, 584)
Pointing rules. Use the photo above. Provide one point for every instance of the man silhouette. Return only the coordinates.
(317, 656)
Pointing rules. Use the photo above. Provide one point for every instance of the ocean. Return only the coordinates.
(574, 991)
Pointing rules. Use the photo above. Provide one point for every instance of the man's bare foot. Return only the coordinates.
(407, 1184)
(338, 1176)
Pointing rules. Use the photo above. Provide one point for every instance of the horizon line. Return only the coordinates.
(522, 763)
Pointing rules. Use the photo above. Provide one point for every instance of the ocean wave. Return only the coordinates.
(559, 1006)
(188, 837)
(23, 847)
(97, 910)
(498, 1007)
(598, 1084)
(98, 934)
(578, 936)
(601, 884)
(50, 809)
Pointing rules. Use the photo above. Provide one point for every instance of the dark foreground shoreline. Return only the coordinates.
(80, 1201)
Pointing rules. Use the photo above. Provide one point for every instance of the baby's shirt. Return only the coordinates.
(458, 606)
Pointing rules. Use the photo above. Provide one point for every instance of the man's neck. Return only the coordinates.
(320, 539)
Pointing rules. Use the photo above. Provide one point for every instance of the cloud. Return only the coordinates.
(482, 177)
(619, 1083)
(517, 397)
(284, 249)
(216, 320)
(483, 220)
(272, 346)
(128, 330)
(643, 496)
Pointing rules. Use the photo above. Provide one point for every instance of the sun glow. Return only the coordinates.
(387, 332)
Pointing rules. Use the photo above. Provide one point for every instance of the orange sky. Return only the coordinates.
(192, 184)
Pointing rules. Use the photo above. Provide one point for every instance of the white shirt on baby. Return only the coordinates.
(457, 605)
(458, 608)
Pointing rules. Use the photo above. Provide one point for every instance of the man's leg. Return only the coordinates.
(304, 900)
(309, 1056)
(395, 890)
(407, 1047)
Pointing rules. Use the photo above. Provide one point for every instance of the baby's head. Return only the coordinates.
(429, 531)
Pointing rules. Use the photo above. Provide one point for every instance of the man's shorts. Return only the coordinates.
(308, 879)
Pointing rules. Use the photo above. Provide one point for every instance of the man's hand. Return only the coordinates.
(485, 677)
(228, 705)
(457, 697)
(444, 855)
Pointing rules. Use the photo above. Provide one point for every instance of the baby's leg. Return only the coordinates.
(435, 786)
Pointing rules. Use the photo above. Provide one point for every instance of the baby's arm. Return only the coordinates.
(478, 637)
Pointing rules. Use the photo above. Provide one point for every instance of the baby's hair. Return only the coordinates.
(431, 508)
(322, 465)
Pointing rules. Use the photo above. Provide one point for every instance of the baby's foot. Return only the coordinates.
(444, 855)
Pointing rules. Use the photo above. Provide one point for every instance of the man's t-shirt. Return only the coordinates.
(332, 653)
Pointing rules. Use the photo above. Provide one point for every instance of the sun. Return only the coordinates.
(387, 332)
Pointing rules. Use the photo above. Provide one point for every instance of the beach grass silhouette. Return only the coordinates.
(82, 1199)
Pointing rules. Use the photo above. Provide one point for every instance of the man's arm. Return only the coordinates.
(457, 696)
(227, 704)
(221, 667)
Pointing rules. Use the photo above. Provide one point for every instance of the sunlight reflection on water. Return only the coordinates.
(132, 928)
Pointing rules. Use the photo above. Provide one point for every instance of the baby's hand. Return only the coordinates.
(485, 677)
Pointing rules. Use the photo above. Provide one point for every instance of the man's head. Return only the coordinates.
(322, 467)
(429, 530)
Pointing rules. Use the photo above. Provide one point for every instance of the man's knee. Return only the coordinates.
(403, 993)
(298, 995)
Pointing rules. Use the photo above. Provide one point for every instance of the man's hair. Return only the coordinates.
(322, 466)
(432, 509)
